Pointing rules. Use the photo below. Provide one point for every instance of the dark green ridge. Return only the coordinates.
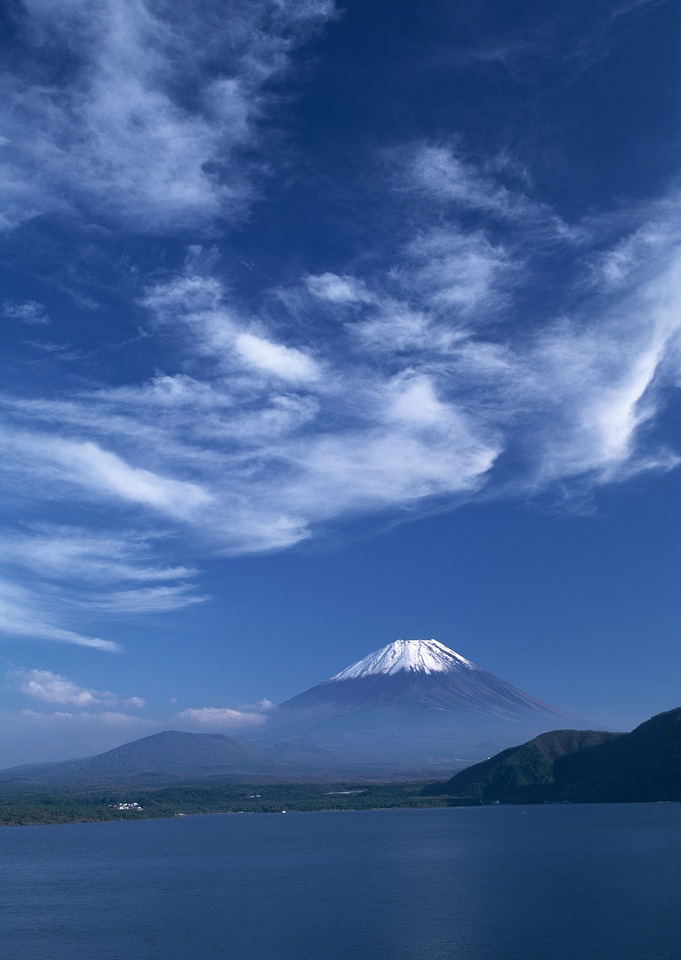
(579, 766)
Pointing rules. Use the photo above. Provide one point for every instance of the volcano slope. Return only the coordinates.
(411, 708)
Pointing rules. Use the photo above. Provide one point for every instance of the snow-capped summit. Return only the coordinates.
(412, 656)
(402, 708)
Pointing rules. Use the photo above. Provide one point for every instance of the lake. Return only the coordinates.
(582, 882)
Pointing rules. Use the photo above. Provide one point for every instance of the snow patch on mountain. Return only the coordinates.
(415, 656)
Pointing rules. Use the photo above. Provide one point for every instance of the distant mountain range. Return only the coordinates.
(171, 754)
(583, 766)
(409, 710)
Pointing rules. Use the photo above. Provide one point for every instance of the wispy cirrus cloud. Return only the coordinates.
(563, 44)
(439, 173)
(423, 386)
(136, 113)
(146, 600)
(54, 576)
(54, 550)
(461, 272)
(26, 311)
(24, 614)
(100, 472)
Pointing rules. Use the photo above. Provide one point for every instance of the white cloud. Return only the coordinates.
(396, 327)
(196, 306)
(416, 402)
(393, 468)
(335, 289)
(106, 471)
(49, 687)
(187, 295)
(285, 362)
(134, 702)
(223, 718)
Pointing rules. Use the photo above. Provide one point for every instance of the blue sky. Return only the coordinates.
(324, 326)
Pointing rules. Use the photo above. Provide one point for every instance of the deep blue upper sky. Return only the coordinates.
(326, 326)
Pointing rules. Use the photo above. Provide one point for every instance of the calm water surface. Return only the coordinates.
(493, 883)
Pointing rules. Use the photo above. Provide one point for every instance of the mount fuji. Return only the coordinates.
(413, 707)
